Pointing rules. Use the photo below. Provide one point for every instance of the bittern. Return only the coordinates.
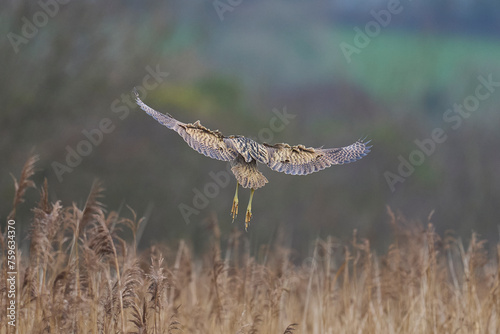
(244, 153)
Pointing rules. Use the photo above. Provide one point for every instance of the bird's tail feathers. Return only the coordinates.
(248, 176)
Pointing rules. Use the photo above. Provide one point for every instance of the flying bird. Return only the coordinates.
(244, 153)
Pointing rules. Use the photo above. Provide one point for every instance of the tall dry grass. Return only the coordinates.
(81, 276)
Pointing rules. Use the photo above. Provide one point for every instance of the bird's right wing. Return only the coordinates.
(203, 140)
(301, 160)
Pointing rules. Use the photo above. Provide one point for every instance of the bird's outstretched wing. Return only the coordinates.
(201, 139)
(299, 160)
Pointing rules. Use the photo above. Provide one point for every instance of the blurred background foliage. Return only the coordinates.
(230, 69)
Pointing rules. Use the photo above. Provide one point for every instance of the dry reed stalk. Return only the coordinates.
(290, 329)
(156, 287)
(24, 183)
(174, 325)
(140, 317)
(119, 286)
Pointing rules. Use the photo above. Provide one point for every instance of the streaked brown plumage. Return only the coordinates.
(244, 153)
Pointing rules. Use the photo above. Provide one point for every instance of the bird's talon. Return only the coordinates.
(234, 210)
(247, 219)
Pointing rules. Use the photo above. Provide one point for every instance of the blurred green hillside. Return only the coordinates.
(234, 75)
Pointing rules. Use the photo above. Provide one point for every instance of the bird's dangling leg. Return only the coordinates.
(234, 209)
(249, 210)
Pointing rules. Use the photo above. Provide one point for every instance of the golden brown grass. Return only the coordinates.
(81, 277)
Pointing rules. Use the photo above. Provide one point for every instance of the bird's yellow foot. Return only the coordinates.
(234, 209)
(247, 219)
(249, 210)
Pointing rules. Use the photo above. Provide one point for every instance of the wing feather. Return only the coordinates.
(203, 140)
(301, 160)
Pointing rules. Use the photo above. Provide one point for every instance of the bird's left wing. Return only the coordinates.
(203, 140)
(301, 160)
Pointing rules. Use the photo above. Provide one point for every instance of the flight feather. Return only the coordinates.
(203, 140)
